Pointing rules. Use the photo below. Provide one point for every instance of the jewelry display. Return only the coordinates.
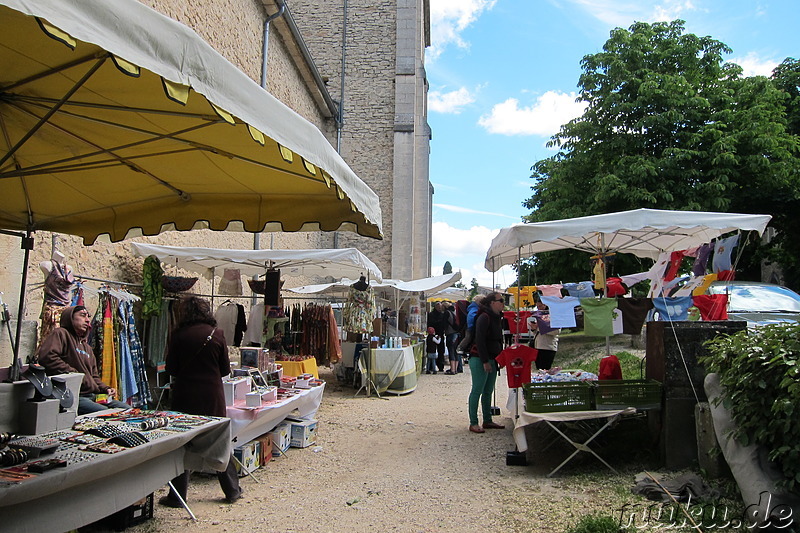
(37, 375)
(62, 393)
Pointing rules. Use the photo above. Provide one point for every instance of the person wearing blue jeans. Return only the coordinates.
(482, 365)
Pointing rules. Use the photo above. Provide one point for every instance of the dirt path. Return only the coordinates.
(403, 464)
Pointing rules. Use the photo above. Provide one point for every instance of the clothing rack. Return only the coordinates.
(112, 282)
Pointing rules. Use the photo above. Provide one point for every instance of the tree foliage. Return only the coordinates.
(448, 268)
(668, 125)
(760, 376)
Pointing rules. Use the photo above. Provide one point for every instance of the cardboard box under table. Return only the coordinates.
(303, 433)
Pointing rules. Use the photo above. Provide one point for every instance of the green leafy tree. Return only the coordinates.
(668, 125)
(448, 268)
(473, 291)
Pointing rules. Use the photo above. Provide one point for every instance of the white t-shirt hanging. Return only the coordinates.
(562, 310)
(616, 321)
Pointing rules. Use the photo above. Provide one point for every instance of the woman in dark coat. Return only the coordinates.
(482, 365)
(197, 360)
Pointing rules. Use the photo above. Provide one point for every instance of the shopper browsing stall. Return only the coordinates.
(432, 342)
(482, 365)
(66, 350)
(197, 359)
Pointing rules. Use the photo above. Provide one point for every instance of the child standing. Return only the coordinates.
(431, 342)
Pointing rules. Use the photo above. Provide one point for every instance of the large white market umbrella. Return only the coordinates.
(642, 232)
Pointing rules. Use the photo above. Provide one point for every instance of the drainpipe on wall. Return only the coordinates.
(340, 117)
(264, 49)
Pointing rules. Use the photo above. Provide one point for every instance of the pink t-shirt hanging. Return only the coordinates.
(553, 290)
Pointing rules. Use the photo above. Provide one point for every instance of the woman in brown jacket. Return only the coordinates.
(197, 360)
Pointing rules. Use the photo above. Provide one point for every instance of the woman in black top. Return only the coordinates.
(482, 365)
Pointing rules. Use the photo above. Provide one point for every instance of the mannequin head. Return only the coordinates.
(57, 256)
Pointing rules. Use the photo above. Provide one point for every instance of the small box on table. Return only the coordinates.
(235, 389)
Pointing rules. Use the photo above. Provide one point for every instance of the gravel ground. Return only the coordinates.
(409, 464)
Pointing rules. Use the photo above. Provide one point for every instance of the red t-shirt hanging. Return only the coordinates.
(517, 359)
(610, 368)
(712, 306)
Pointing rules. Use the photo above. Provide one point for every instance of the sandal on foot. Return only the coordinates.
(476, 429)
(492, 425)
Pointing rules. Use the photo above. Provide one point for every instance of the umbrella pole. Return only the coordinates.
(605, 285)
(16, 364)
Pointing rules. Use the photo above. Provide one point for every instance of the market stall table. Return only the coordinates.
(391, 370)
(554, 419)
(248, 423)
(95, 485)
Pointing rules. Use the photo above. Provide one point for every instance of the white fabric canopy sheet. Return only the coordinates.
(325, 262)
(250, 423)
(431, 284)
(642, 232)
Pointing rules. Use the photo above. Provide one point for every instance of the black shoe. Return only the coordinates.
(168, 501)
(450, 373)
(235, 498)
(427, 371)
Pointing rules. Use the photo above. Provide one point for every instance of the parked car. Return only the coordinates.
(757, 303)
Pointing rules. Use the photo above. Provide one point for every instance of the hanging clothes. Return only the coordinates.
(109, 355)
(158, 328)
(128, 387)
(562, 311)
(254, 325)
(597, 316)
(701, 259)
(517, 359)
(673, 309)
(144, 396)
(359, 311)
(712, 306)
(553, 290)
(723, 249)
(152, 289)
(227, 316)
(231, 282)
(634, 313)
(582, 289)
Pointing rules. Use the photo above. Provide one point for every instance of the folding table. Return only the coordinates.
(553, 420)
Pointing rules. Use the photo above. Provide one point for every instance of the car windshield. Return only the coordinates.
(759, 298)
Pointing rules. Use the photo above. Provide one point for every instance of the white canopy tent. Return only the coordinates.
(204, 261)
(431, 284)
(642, 232)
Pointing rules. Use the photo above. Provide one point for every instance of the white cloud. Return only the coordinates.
(449, 18)
(753, 65)
(622, 13)
(466, 251)
(544, 118)
(452, 102)
(459, 209)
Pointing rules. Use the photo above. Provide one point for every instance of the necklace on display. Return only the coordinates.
(39, 380)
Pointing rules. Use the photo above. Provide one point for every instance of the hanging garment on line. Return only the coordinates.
(722, 253)
(553, 290)
(517, 359)
(634, 312)
(701, 259)
(582, 289)
(712, 306)
(673, 309)
(562, 311)
(597, 316)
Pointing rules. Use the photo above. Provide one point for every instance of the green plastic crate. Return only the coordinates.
(562, 396)
(619, 394)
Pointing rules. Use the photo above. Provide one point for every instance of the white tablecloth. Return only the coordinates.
(391, 369)
(249, 423)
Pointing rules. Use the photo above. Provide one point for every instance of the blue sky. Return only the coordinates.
(503, 77)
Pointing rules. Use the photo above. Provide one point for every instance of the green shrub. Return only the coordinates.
(595, 523)
(759, 373)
